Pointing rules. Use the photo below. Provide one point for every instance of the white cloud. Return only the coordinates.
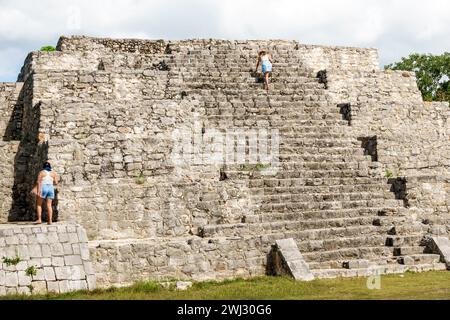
(396, 27)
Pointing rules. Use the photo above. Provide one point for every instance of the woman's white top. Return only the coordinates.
(47, 179)
(265, 58)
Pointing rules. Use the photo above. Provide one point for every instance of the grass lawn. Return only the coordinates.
(422, 286)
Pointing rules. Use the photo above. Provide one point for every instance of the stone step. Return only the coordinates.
(268, 109)
(229, 230)
(314, 215)
(406, 229)
(305, 174)
(313, 195)
(336, 244)
(355, 263)
(289, 230)
(272, 106)
(419, 259)
(315, 182)
(436, 219)
(245, 78)
(336, 258)
(408, 251)
(323, 158)
(257, 94)
(288, 115)
(261, 199)
(268, 190)
(405, 241)
(327, 205)
(313, 166)
(290, 124)
(302, 166)
(216, 84)
(373, 271)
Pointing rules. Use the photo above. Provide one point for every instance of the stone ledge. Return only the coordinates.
(49, 259)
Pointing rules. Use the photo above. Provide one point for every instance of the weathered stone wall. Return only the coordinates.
(11, 112)
(58, 254)
(125, 262)
(412, 135)
(314, 57)
(109, 137)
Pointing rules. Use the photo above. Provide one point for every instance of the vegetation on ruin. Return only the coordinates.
(31, 271)
(48, 49)
(433, 74)
(11, 261)
(410, 286)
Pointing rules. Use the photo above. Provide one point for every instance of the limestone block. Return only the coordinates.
(68, 250)
(64, 286)
(183, 285)
(73, 237)
(63, 273)
(46, 252)
(57, 249)
(91, 282)
(49, 273)
(76, 249)
(39, 287)
(63, 238)
(11, 279)
(286, 258)
(35, 251)
(441, 246)
(24, 290)
(42, 238)
(53, 287)
(22, 266)
(73, 260)
(78, 285)
(12, 240)
(57, 262)
(24, 279)
(46, 262)
(40, 275)
(53, 237)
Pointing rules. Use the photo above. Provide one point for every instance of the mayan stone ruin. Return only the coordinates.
(356, 181)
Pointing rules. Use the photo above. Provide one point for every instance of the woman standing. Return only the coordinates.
(265, 59)
(46, 183)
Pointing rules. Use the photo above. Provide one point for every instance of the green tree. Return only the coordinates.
(48, 49)
(433, 74)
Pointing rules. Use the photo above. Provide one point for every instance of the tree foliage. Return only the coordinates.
(48, 49)
(433, 74)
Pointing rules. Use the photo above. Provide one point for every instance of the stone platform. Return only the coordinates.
(43, 259)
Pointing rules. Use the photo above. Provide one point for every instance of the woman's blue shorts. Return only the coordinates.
(48, 192)
(266, 67)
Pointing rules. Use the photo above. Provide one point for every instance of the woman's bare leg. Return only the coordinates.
(39, 209)
(266, 81)
(49, 211)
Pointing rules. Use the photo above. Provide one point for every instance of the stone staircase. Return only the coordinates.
(327, 194)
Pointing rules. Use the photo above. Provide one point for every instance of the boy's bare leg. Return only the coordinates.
(49, 211)
(39, 210)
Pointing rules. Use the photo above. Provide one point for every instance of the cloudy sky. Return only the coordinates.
(396, 27)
